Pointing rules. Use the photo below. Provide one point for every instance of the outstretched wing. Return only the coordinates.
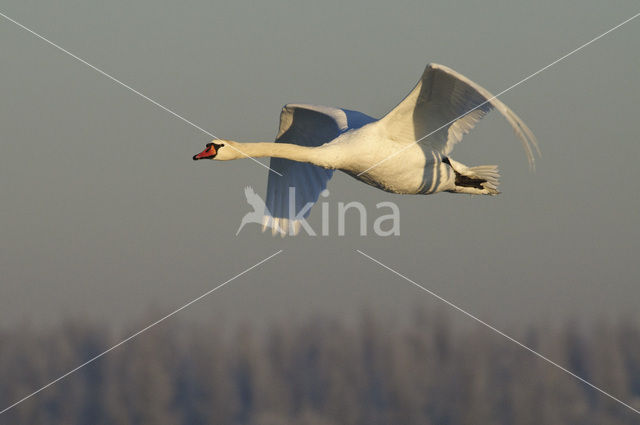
(301, 183)
(443, 107)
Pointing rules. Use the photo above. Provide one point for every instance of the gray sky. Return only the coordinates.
(104, 215)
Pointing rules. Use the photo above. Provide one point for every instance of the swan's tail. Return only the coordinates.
(480, 180)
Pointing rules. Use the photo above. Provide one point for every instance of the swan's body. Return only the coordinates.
(391, 154)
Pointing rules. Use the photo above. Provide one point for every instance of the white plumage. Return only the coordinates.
(407, 151)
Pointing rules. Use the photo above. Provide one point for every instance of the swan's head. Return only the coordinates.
(213, 151)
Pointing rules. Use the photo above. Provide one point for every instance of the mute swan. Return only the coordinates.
(391, 153)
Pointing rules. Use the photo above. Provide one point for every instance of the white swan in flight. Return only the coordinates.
(391, 153)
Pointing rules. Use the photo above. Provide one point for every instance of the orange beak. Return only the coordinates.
(209, 152)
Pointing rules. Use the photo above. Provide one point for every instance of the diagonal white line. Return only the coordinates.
(91, 360)
(499, 332)
(114, 79)
(506, 90)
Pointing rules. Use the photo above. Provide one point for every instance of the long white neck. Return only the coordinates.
(313, 155)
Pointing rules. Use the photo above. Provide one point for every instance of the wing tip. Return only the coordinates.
(281, 225)
(524, 133)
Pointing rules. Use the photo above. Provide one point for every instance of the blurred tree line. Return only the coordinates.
(322, 372)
